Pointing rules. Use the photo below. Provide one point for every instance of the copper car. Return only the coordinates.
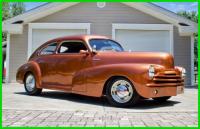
(97, 66)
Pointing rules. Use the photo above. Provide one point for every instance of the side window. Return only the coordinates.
(49, 49)
(71, 47)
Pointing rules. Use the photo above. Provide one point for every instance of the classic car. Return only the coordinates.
(97, 66)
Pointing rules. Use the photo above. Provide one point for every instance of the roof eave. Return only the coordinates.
(40, 12)
(12, 28)
(187, 30)
(148, 8)
(167, 16)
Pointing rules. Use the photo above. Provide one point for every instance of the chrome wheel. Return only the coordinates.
(121, 91)
(30, 83)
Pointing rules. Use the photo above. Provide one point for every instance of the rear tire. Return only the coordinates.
(120, 92)
(162, 99)
(30, 85)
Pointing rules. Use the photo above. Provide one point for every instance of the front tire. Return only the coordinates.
(30, 85)
(120, 92)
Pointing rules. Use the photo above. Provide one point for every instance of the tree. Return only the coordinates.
(190, 15)
(5, 15)
(10, 10)
(17, 8)
(5, 11)
(194, 17)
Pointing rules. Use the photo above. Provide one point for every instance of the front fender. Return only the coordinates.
(98, 75)
(32, 67)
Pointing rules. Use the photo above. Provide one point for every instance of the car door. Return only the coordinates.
(70, 64)
(47, 63)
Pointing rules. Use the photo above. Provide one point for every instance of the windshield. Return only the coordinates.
(105, 45)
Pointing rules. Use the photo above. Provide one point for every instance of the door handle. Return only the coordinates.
(96, 59)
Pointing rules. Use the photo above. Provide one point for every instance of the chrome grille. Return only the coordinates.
(168, 77)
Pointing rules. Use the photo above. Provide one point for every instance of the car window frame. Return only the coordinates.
(105, 39)
(64, 41)
(39, 53)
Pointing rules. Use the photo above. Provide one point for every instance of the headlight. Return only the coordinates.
(183, 72)
(151, 71)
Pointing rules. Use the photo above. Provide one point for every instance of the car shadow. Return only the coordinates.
(69, 97)
(142, 104)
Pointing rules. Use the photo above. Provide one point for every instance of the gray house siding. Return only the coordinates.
(182, 53)
(18, 52)
(101, 20)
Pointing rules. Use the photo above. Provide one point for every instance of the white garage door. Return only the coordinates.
(144, 40)
(40, 36)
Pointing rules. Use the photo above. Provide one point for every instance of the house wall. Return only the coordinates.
(18, 52)
(101, 20)
(182, 53)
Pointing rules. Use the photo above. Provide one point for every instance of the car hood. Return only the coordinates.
(154, 58)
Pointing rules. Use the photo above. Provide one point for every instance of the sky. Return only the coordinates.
(172, 6)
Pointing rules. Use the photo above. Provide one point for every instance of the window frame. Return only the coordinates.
(39, 53)
(105, 39)
(64, 41)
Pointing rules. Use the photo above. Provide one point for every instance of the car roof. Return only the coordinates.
(78, 37)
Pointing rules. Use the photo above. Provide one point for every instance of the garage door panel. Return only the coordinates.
(40, 36)
(144, 40)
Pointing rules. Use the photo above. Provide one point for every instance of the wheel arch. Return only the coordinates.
(111, 78)
(131, 100)
(34, 69)
(25, 74)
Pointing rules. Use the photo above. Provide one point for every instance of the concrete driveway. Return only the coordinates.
(15, 99)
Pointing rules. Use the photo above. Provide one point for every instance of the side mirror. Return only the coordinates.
(84, 52)
(94, 49)
(94, 52)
